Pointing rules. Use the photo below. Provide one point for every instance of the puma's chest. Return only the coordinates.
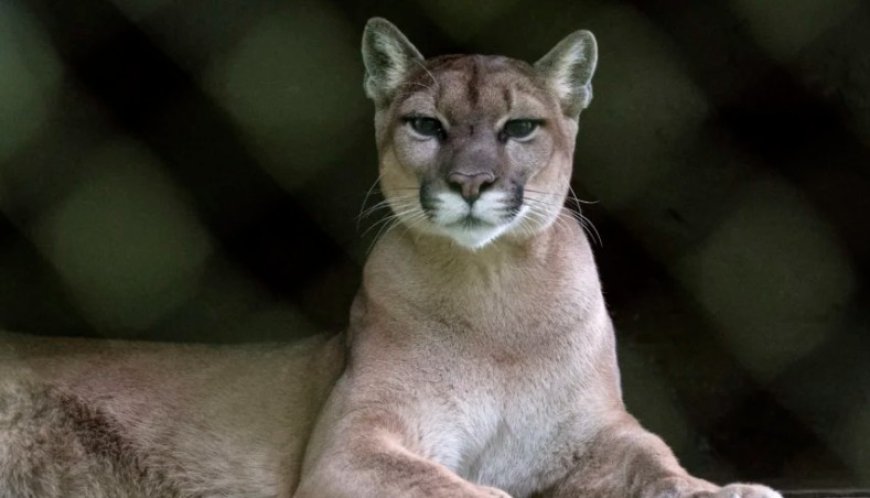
(494, 422)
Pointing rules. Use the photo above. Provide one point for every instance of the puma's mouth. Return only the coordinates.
(450, 211)
(474, 224)
(470, 222)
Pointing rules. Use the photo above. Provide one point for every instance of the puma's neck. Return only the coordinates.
(410, 258)
(550, 275)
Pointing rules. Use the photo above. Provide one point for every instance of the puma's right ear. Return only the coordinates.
(388, 57)
(568, 69)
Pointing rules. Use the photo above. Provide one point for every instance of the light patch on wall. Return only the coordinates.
(785, 27)
(646, 108)
(770, 276)
(29, 76)
(294, 84)
(124, 241)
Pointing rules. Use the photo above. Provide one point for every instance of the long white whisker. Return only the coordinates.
(387, 202)
(405, 208)
(362, 208)
(587, 224)
(578, 200)
(397, 204)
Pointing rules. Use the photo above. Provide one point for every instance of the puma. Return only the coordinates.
(482, 359)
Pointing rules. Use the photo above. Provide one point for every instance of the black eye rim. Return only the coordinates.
(426, 126)
(519, 128)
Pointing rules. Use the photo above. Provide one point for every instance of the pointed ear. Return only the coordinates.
(388, 57)
(568, 69)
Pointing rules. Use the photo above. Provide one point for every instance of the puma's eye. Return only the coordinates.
(428, 127)
(519, 128)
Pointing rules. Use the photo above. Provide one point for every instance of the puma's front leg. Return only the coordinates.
(368, 452)
(625, 460)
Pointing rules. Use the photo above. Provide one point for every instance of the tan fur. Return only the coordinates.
(94, 418)
(483, 366)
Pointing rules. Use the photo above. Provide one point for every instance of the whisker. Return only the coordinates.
(578, 200)
(542, 192)
(399, 210)
(414, 221)
(386, 203)
(378, 235)
(575, 212)
(587, 226)
(584, 221)
(591, 229)
(406, 199)
(368, 212)
(366, 200)
(395, 221)
(571, 195)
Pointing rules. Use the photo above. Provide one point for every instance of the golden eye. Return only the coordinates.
(428, 127)
(519, 128)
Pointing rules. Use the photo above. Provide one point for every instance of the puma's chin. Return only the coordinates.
(473, 234)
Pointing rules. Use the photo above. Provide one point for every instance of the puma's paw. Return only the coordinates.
(745, 491)
(690, 487)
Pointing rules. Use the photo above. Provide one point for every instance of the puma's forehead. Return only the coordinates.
(459, 87)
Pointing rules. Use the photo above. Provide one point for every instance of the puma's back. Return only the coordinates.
(117, 419)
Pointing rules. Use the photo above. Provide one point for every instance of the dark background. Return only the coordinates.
(193, 171)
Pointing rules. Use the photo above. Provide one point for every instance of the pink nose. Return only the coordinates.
(470, 185)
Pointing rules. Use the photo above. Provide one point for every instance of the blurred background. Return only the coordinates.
(194, 171)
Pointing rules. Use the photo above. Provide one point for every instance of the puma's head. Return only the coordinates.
(474, 147)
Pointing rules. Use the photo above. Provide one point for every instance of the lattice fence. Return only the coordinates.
(193, 171)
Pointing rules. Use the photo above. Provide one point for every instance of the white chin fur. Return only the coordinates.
(452, 208)
(480, 236)
(474, 238)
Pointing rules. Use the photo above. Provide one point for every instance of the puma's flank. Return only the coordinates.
(118, 419)
(482, 358)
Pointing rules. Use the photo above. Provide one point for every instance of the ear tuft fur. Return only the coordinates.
(569, 67)
(388, 57)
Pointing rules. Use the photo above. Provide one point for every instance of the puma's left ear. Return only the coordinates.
(388, 57)
(568, 69)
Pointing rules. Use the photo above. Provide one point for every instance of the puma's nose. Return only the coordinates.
(470, 185)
